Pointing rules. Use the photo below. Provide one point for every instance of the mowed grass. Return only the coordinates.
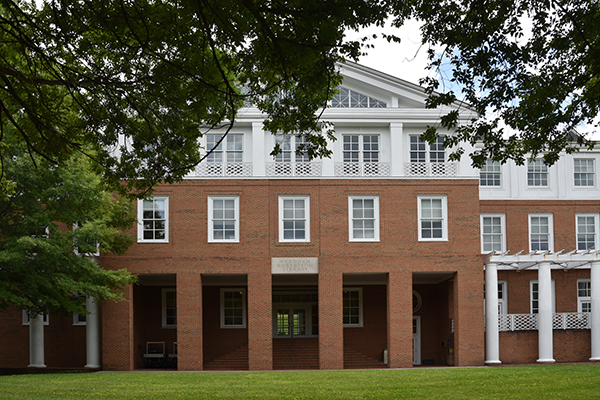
(523, 382)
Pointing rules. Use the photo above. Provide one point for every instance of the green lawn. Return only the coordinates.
(526, 382)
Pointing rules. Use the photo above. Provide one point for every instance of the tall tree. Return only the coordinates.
(53, 221)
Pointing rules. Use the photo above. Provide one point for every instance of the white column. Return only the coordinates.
(545, 332)
(595, 317)
(396, 151)
(92, 334)
(36, 342)
(492, 336)
(258, 149)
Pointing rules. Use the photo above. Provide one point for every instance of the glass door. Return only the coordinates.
(291, 321)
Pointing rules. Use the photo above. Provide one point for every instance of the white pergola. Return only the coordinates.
(543, 262)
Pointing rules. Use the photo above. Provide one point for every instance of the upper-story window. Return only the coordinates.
(230, 149)
(421, 151)
(541, 232)
(153, 217)
(587, 231)
(347, 98)
(291, 148)
(490, 174)
(584, 173)
(294, 219)
(537, 173)
(364, 218)
(493, 236)
(433, 218)
(361, 148)
(223, 219)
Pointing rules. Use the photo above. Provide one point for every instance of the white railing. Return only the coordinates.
(430, 169)
(222, 169)
(362, 169)
(529, 322)
(293, 169)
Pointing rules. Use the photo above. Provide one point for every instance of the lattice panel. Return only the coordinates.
(430, 169)
(571, 321)
(362, 169)
(293, 169)
(223, 169)
(517, 322)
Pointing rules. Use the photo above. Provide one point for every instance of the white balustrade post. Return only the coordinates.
(545, 332)
(92, 334)
(492, 336)
(595, 311)
(36, 342)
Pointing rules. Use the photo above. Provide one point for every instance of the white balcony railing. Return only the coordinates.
(225, 169)
(529, 322)
(430, 169)
(362, 169)
(293, 169)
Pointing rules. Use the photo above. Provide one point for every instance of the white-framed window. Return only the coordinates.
(493, 232)
(294, 218)
(233, 308)
(80, 319)
(587, 231)
(421, 151)
(169, 307)
(25, 318)
(537, 173)
(490, 174)
(364, 218)
(433, 217)
(584, 172)
(353, 307)
(153, 219)
(535, 299)
(291, 147)
(347, 98)
(230, 150)
(584, 295)
(541, 232)
(223, 219)
(502, 297)
(77, 248)
(360, 148)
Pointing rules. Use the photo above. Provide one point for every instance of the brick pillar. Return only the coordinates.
(400, 319)
(469, 335)
(118, 333)
(331, 329)
(260, 321)
(189, 321)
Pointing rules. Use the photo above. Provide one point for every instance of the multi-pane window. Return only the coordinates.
(294, 219)
(490, 173)
(291, 149)
(537, 173)
(502, 298)
(364, 218)
(169, 308)
(153, 215)
(352, 305)
(587, 231)
(223, 212)
(421, 151)
(229, 150)
(535, 296)
(492, 233)
(584, 295)
(361, 148)
(540, 232)
(233, 308)
(584, 172)
(80, 319)
(433, 224)
(347, 98)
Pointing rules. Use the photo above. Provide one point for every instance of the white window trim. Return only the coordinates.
(140, 210)
(492, 187)
(428, 151)
(444, 199)
(375, 199)
(360, 323)
(361, 150)
(531, 282)
(76, 320)
(25, 318)
(502, 226)
(550, 230)
(164, 292)
(535, 187)
(306, 199)
(582, 299)
(236, 200)
(584, 187)
(503, 302)
(244, 309)
(596, 227)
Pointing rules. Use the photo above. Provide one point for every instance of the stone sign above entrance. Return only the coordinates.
(300, 265)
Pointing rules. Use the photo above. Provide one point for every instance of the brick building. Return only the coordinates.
(375, 258)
